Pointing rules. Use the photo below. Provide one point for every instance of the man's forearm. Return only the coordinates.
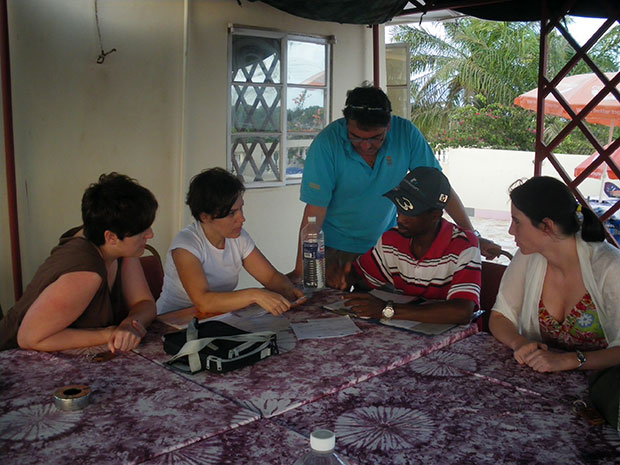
(457, 311)
(456, 210)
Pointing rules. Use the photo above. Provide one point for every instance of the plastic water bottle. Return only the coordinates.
(322, 443)
(313, 248)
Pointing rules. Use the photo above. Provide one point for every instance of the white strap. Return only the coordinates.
(192, 347)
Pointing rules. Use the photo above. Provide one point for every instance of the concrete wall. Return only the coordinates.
(148, 111)
(482, 177)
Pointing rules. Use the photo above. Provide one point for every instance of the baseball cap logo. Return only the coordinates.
(404, 203)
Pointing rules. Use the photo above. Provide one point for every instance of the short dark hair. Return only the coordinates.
(368, 106)
(116, 203)
(543, 197)
(214, 192)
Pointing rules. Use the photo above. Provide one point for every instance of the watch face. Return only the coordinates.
(388, 312)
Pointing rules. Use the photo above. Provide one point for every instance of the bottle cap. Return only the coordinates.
(312, 219)
(322, 440)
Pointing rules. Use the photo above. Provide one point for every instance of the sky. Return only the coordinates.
(581, 29)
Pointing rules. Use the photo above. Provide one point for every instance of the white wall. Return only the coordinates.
(272, 215)
(481, 177)
(75, 119)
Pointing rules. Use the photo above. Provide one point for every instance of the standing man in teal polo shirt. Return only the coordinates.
(351, 164)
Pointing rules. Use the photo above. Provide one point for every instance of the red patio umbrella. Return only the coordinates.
(598, 172)
(578, 90)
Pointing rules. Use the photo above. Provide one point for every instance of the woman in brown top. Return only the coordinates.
(91, 290)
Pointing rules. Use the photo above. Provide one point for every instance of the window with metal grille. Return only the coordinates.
(279, 101)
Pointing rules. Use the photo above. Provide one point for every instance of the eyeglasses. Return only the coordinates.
(371, 140)
(367, 108)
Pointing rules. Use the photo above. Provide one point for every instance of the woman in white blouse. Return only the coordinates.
(558, 306)
(205, 259)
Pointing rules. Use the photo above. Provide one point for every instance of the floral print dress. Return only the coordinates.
(581, 329)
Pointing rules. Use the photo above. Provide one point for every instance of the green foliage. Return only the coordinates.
(464, 82)
(496, 126)
(507, 127)
(308, 119)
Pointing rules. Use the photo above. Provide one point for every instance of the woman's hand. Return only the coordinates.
(522, 352)
(273, 302)
(293, 293)
(365, 305)
(545, 361)
(126, 336)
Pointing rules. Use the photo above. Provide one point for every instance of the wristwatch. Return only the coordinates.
(388, 310)
(580, 357)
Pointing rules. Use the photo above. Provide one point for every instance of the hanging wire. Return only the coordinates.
(102, 54)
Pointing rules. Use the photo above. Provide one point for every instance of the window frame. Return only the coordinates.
(407, 71)
(283, 134)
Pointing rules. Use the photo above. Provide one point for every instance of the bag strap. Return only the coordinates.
(191, 335)
(194, 345)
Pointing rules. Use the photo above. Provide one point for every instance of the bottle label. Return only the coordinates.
(313, 251)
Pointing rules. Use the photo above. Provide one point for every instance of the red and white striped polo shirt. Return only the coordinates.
(450, 269)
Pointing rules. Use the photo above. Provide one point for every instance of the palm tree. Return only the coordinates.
(478, 62)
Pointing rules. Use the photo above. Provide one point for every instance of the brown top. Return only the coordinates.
(71, 254)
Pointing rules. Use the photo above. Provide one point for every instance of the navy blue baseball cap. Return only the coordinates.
(423, 189)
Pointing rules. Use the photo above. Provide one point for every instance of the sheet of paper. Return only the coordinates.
(431, 329)
(266, 322)
(325, 328)
(252, 311)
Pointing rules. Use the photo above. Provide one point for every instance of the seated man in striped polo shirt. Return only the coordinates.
(424, 256)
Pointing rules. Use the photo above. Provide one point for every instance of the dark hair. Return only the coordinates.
(214, 192)
(119, 204)
(543, 197)
(368, 106)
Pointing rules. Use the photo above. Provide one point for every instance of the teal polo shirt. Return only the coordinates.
(337, 177)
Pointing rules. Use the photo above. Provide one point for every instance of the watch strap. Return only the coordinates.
(581, 358)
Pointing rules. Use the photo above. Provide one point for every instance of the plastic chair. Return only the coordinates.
(153, 271)
(491, 277)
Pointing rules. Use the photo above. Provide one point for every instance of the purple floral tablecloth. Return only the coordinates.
(137, 410)
(439, 410)
(499, 365)
(317, 367)
(260, 442)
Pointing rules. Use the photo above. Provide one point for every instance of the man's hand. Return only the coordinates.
(337, 276)
(489, 249)
(365, 305)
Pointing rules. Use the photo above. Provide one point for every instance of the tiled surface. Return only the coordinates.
(497, 231)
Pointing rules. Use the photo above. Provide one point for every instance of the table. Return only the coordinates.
(137, 410)
(441, 409)
(393, 397)
(260, 442)
(315, 368)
